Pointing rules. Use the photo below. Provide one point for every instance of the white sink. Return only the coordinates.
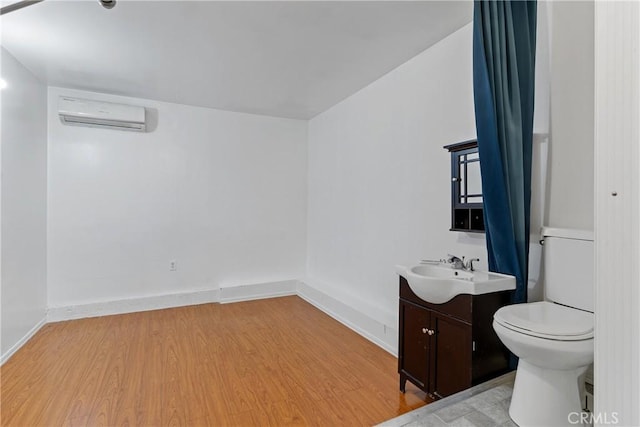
(439, 283)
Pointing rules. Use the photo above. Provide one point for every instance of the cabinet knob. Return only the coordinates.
(424, 330)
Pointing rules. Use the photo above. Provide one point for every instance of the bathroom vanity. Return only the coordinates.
(445, 348)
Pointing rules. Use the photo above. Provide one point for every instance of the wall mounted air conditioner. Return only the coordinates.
(98, 114)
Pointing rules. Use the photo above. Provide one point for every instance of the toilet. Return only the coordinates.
(553, 338)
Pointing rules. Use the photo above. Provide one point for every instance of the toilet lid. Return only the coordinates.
(546, 319)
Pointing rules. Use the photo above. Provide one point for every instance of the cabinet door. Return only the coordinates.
(450, 356)
(414, 343)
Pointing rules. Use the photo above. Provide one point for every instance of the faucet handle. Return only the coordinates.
(453, 258)
(456, 263)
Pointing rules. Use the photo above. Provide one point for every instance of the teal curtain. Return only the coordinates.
(504, 45)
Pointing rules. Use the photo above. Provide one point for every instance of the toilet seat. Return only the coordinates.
(547, 320)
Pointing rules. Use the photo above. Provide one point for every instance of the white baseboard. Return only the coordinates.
(237, 293)
(57, 314)
(6, 356)
(385, 336)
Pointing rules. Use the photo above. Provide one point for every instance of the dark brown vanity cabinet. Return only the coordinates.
(446, 348)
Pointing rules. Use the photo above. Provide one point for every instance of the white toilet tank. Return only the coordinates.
(569, 267)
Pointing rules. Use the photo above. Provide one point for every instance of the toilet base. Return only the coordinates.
(546, 397)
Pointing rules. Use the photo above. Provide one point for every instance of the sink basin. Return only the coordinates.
(439, 283)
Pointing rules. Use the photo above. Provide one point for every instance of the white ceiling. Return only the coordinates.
(289, 59)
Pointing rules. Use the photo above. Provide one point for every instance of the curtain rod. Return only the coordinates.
(18, 5)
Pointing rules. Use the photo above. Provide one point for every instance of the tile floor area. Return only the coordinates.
(486, 404)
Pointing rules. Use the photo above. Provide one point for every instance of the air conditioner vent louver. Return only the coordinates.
(83, 112)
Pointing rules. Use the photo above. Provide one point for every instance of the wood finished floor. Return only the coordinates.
(277, 362)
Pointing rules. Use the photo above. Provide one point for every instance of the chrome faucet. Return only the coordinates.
(455, 262)
(460, 263)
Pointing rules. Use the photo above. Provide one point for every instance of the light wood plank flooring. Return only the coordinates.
(277, 362)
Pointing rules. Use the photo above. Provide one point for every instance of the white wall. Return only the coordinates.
(379, 191)
(24, 187)
(571, 188)
(221, 193)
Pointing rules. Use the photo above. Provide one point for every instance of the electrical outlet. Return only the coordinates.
(173, 265)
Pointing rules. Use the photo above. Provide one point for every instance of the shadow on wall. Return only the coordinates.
(539, 167)
(535, 287)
